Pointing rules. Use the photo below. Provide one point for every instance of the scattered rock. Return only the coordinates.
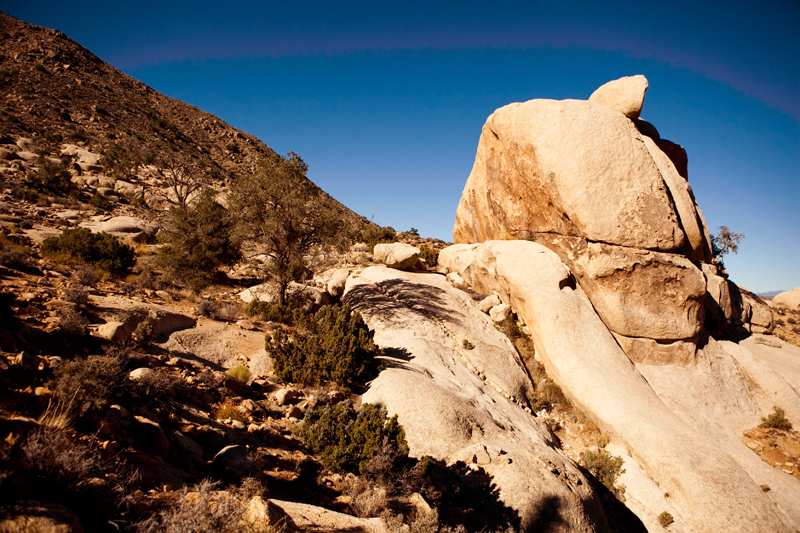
(487, 303)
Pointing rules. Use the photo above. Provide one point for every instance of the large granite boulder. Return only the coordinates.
(789, 299)
(681, 437)
(459, 404)
(571, 168)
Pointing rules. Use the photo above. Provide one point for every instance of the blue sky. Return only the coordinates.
(385, 100)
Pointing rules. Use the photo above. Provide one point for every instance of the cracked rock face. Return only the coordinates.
(461, 404)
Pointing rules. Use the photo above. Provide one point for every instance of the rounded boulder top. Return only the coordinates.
(625, 95)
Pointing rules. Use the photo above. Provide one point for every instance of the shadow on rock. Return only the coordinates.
(388, 299)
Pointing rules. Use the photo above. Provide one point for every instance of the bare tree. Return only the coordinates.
(183, 180)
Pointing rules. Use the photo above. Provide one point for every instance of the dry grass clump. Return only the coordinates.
(229, 410)
(240, 372)
(226, 312)
(73, 323)
(48, 466)
(207, 509)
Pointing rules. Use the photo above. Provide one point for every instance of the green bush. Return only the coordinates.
(197, 240)
(606, 468)
(91, 383)
(373, 234)
(240, 372)
(347, 440)
(429, 255)
(282, 314)
(665, 519)
(776, 420)
(99, 249)
(336, 346)
(53, 177)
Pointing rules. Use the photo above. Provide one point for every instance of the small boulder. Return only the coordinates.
(294, 412)
(625, 95)
(487, 303)
(116, 332)
(285, 396)
(337, 281)
(234, 463)
(397, 255)
(500, 312)
(148, 436)
(141, 373)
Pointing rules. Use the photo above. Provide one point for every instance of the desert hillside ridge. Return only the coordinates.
(181, 350)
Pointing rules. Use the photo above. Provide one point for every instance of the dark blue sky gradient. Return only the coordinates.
(385, 101)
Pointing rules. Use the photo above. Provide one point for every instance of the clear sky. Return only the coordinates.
(385, 100)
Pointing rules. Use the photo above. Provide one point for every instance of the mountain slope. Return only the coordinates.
(57, 91)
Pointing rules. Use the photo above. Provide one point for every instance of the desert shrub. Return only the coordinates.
(367, 499)
(100, 379)
(240, 372)
(99, 249)
(765, 488)
(229, 410)
(53, 177)
(347, 440)
(337, 346)
(85, 275)
(227, 312)
(429, 255)
(79, 295)
(547, 396)
(15, 257)
(48, 466)
(73, 323)
(665, 519)
(467, 345)
(291, 316)
(145, 332)
(373, 234)
(101, 202)
(197, 240)
(206, 509)
(606, 468)
(777, 419)
(159, 390)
